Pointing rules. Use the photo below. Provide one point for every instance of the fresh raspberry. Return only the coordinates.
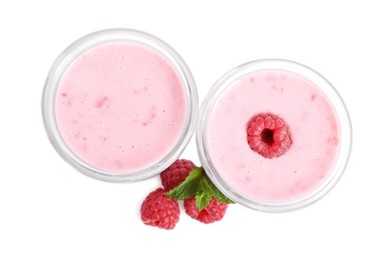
(159, 210)
(268, 135)
(176, 173)
(211, 213)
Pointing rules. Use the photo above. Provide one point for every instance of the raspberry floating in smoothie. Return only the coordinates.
(268, 135)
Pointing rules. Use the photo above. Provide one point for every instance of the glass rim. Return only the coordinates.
(287, 65)
(91, 40)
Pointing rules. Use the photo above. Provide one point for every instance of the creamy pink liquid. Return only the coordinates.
(314, 130)
(120, 106)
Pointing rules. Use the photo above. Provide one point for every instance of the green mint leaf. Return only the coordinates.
(205, 185)
(189, 187)
(202, 200)
(215, 192)
(218, 195)
(198, 185)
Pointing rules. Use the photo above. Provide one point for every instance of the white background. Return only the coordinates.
(50, 211)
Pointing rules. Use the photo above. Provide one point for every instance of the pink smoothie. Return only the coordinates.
(314, 129)
(120, 106)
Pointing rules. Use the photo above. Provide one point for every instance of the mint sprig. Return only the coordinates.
(198, 185)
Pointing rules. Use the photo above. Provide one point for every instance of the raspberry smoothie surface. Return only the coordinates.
(314, 131)
(120, 106)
